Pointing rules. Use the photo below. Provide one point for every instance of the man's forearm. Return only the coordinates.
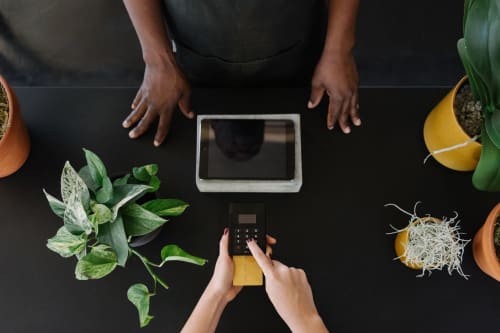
(147, 18)
(340, 36)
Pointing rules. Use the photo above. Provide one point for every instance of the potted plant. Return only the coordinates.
(102, 216)
(428, 243)
(14, 138)
(486, 245)
(451, 134)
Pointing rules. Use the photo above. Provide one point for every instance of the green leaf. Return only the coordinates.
(66, 244)
(105, 193)
(124, 194)
(145, 173)
(122, 181)
(87, 178)
(97, 264)
(113, 234)
(175, 253)
(75, 217)
(139, 221)
(96, 167)
(155, 183)
(166, 207)
(58, 207)
(73, 186)
(492, 125)
(486, 177)
(139, 295)
(102, 213)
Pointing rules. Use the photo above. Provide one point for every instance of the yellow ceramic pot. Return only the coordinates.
(402, 239)
(442, 130)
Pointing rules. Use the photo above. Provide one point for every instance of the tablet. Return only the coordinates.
(248, 153)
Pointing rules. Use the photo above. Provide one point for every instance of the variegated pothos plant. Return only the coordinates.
(101, 216)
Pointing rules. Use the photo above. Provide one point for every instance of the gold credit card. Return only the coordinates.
(247, 272)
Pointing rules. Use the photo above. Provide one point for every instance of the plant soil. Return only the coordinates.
(468, 111)
(4, 111)
(496, 237)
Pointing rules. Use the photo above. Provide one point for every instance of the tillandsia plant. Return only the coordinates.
(479, 51)
(100, 218)
(432, 243)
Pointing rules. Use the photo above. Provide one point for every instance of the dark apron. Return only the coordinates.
(247, 42)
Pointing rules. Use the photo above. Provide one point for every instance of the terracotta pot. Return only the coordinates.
(483, 247)
(15, 144)
(442, 130)
(402, 239)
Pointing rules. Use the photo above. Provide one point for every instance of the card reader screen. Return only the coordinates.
(247, 219)
(247, 149)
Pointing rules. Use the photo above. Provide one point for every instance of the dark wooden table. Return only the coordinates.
(334, 228)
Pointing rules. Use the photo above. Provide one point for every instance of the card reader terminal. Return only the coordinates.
(246, 221)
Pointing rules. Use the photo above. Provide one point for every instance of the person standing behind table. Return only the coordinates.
(243, 42)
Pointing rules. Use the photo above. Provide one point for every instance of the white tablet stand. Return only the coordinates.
(241, 185)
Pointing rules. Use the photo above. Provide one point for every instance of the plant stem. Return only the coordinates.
(145, 262)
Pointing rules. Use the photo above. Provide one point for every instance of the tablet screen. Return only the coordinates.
(254, 149)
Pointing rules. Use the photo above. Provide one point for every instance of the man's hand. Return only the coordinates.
(163, 88)
(336, 74)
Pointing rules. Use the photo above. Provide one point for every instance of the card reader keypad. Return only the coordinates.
(240, 237)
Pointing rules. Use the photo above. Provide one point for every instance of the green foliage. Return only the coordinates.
(138, 294)
(100, 218)
(479, 51)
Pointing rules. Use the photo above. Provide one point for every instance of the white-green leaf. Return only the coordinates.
(166, 207)
(139, 295)
(126, 193)
(121, 181)
(113, 234)
(175, 253)
(57, 206)
(144, 173)
(97, 264)
(75, 217)
(84, 173)
(96, 167)
(72, 185)
(102, 213)
(139, 221)
(105, 193)
(66, 244)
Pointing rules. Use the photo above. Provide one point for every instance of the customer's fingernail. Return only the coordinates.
(131, 134)
(125, 124)
(226, 230)
(347, 130)
(330, 127)
(357, 122)
(156, 143)
(309, 104)
(249, 240)
(133, 106)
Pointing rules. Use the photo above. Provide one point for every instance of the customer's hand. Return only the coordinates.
(222, 279)
(163, 88)
(290, 293)
(336, 74)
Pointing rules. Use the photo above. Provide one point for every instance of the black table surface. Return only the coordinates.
(335, 228)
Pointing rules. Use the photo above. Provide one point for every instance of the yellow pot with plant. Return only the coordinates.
(428, 243)
(447, 133)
